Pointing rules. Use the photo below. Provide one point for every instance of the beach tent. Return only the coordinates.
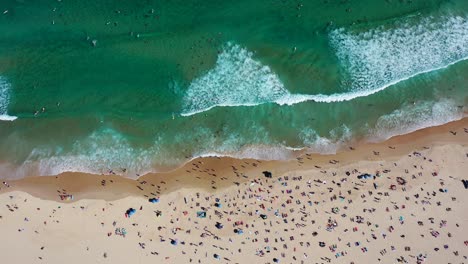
(267, 174)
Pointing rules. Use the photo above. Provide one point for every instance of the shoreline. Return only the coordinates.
(49, 166)
(84, 184)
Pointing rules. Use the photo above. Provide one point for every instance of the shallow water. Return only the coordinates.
(168, 81)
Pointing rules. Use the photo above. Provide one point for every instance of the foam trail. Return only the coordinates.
(413, 117)
(236, 79)
(107, 149)
(98, 153)
(382, 57)
(4, 100)
(373, 61)
(337, 138)
(7, 118)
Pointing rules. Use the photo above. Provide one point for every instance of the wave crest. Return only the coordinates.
(372, 61)
(412, 117)
(382, 57)
(100, 152)
(4, 100)
(236, 79)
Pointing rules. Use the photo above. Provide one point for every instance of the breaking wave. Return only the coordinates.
(371, 60)
(382, 57)
(236, 79)
(412, 117)
(101, 152)
(337, 139)
(4, 100)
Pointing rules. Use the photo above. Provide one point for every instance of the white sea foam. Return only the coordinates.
(385, 56)
(337, 138)
(7, 118)
(236, 79)
(106, 149)
(372, 61)
(5, 87)
(261, 152)
(236, 146)
(255, 142)
(415, 116)
(100, 152)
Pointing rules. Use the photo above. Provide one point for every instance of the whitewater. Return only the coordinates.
(372, 61)
(5, 88)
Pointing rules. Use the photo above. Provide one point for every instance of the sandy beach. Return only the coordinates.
(399, 201)
(302, 132)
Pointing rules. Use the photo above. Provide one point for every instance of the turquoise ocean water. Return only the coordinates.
(139, 86)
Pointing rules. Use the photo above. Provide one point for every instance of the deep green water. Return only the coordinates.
(170, 80)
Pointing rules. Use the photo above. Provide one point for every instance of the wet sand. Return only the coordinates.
(314, 209)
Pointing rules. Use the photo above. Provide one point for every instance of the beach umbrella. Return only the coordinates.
(130, 212)
(153, 200)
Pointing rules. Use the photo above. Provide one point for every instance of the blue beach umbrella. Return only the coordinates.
(153, 200)
(130, 212)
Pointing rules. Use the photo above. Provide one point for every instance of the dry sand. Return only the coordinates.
(313, 209)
